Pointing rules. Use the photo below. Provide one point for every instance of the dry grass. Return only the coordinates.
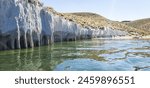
(96, 21)
(143, 24)
(87, 19)
(93, 20)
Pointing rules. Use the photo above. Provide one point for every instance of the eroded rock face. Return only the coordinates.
(21, 25)
(25, 23)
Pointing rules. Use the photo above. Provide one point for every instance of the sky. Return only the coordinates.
(117, 10)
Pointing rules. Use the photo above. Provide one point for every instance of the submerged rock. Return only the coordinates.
(26, 23)
(93, 65)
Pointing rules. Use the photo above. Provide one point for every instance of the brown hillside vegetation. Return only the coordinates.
(143, 24)
(93, 20)
(96, 21)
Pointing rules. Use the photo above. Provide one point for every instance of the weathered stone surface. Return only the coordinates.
(26, 23)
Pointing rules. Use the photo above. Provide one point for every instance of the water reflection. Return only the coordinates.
(25, 60)
(80, 55)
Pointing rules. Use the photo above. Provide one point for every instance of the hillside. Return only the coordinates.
(86, 19)
(96, 21)
(143, 24)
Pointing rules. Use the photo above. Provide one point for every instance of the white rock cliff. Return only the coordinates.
(26, 23)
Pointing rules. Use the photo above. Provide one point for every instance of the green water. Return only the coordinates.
(93, 55)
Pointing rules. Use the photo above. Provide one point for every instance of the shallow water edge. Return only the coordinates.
(85, 55)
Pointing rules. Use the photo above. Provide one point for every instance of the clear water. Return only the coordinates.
(87, 55)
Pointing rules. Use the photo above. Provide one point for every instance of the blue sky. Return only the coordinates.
(111, 9)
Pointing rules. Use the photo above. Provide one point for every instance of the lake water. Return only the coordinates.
(86, 55)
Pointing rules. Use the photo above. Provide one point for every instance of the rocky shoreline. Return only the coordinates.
(26, 24)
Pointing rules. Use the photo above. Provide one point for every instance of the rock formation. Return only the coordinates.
(26, 23)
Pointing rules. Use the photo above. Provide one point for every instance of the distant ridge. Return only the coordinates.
(143, 24)
(97, 21)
